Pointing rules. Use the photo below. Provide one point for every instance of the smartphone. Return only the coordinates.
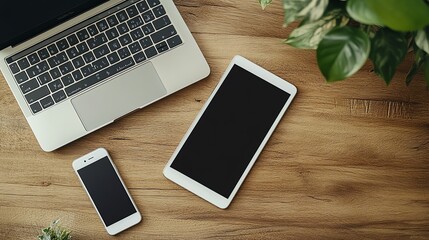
(106, 190)
(224, 141)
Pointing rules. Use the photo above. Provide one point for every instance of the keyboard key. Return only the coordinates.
(43, 53)
(82, 48)
(101, 51)
(161, 22)
(72, 39)
(29, 86)
(135, 22)
(44, 78)
(174, 41)
(37, 94)
(14, 68)
(146, 42)
(132, 11)
(87, 70)
(36, 107)
(89, 57)
(54, 61)
(139, 57)
(59, 96)
(162, 47)
(148, 29)
(62, 57)
(159, 11)
(112, 33)
(103, 74)
(164, 34)
(38, 69)
(124, 52)
(134, 47)
(72, 52)
(100, 64)
(82, 35)
(23, 63)
(55, 73)
(114, 45)
(153, 3)
(53, 49)
(92, 30)
(123, 28)
(66, 68)
(47, 102)
(125, 39)
(97, 41)
(113, 58)
(102, 25)
(33, 58)
(122, 16)
(142, 6)
(57, 60)
(67, 79)
(112, 21)
(78, 62)
(77, 75)
(62, 44)
(136, 34)
(21, 77)
(55, 85)
(150, 52)
(148, 16)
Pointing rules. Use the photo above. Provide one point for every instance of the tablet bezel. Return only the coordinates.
(196, 187)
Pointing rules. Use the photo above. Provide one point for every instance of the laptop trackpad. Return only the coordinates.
(119, 96)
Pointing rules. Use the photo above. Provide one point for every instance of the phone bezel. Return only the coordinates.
(201, 190)
(89, 159)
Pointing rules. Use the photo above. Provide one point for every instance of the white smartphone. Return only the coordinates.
(107, 191)
(222, 144)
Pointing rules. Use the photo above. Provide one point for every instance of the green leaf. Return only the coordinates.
(422, 39)
(399, 15)
(309, 35)
(54, 232)
(264, 3)
(361, 11)
(388, 49)
(342, 52)
(419, 57)
(300, 9)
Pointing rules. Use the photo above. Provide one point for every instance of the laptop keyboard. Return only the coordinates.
(107, 44)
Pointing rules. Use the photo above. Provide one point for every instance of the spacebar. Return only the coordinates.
(99, 76)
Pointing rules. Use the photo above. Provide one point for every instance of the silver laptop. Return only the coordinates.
(76, 66)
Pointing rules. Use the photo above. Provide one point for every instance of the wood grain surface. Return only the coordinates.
(349, 160)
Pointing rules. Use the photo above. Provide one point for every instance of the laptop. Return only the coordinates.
(76, 66)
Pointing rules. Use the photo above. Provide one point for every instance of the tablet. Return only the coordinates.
(222, 144)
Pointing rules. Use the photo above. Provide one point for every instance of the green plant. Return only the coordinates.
(54, 232)
(348, 32)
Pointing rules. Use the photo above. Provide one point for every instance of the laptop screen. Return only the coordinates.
(23, 19)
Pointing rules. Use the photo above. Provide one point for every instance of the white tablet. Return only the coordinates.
(222, 144)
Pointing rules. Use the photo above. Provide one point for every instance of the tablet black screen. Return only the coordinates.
(230, 131)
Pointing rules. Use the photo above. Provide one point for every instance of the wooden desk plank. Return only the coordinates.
(349, 160)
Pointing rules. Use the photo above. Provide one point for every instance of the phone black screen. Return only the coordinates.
(230, 131)
(107, 191)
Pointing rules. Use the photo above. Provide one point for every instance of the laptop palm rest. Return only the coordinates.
(119, 96)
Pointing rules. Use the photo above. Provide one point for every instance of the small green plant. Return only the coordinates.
(54, 232)
(348, 32)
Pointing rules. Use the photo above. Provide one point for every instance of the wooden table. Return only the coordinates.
(348, 160)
